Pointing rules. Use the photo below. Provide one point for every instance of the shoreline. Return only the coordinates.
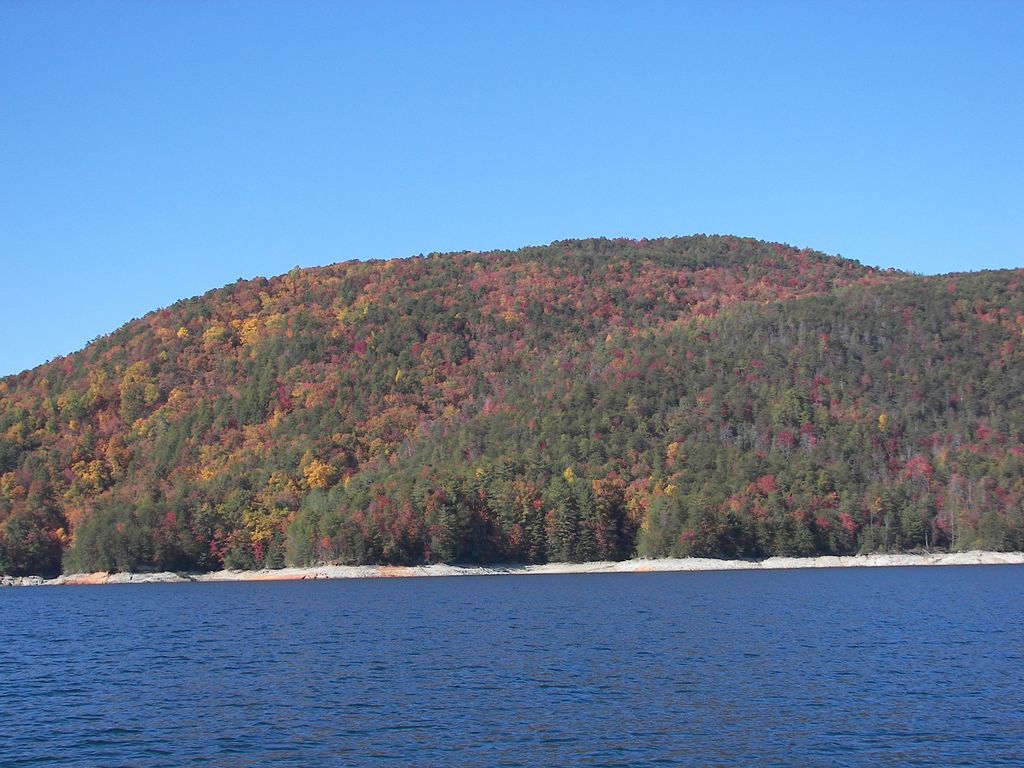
(661, 565)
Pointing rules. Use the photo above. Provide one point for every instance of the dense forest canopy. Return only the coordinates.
(591, 399)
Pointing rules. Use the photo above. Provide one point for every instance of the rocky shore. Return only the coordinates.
(626, 566)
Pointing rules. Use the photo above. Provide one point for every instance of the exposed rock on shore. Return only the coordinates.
(625, 566)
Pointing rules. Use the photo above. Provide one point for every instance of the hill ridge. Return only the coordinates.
(719, 396)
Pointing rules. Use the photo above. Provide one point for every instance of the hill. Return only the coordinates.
(590, 399)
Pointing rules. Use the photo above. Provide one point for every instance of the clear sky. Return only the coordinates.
(150, 151)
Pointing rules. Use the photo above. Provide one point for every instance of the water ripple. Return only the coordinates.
(848, 668)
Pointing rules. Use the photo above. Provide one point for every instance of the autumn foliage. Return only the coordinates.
(591, 399)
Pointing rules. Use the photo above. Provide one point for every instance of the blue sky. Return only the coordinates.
(150, 151)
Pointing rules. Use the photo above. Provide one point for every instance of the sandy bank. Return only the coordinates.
(627, 566)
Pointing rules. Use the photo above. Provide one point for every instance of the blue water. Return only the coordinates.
(916, 666)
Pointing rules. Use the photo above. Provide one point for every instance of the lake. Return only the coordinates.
(859, 667)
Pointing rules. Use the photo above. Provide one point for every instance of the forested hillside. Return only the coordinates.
(587, 400)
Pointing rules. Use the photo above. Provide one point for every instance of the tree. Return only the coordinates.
(31, 542)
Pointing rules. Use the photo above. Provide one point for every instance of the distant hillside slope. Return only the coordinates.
(590, 399)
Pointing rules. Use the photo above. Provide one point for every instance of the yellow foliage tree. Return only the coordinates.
(263, 523)
(249, 331)
(138, 392)
(671, 452)
(214, 335)
(10, 488)
(92, 477)
(276, 322)
(318, 474)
